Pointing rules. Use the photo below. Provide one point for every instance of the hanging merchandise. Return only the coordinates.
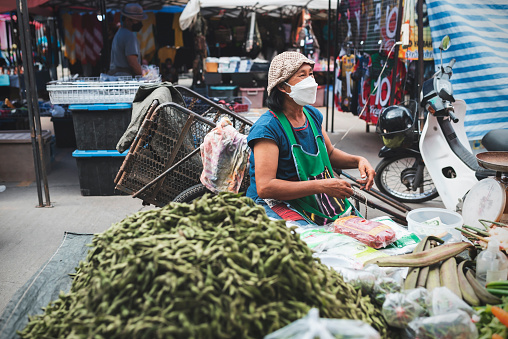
(362, 76)
(343, 23)
(380, 98)
(348, 63)
(355, 22)
(92, 36)
(253, 43)
(79, 38)
(69, 41)
(410, 19)
(189, 14)
(338, 85)
(178, 31)
(146, 37)
(305, 39)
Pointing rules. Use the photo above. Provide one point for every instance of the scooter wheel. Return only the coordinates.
(395, 176)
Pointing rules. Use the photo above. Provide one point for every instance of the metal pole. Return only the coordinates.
(327, 74)
(106, 50)
(33, 106)
(420, 56)
(336, 54)
(396, 58)
(53, 48)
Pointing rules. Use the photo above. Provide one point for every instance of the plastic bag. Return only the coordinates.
(311, 326)
(57, 111)
(399, 309)
(338, 250)
(452, 325)
(444, 301)
(405, 241)
(360, 279)
(388, 280)
(371, 233)
(225, 155)
(188, 16)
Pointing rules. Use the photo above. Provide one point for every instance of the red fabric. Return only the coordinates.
(11, 5)
(92, 38)
(286, 213)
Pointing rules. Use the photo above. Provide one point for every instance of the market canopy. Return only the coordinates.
(45, 5)
(310, 4)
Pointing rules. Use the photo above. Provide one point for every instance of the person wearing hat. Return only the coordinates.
(125, 54)
(292, 157)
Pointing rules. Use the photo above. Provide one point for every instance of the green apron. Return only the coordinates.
(319, 208)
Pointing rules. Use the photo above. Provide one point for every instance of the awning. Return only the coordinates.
(10, 5)
(479, 36)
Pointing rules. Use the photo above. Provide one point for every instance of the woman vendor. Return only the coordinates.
(292, 156)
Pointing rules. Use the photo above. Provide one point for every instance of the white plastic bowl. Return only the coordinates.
(416, 218)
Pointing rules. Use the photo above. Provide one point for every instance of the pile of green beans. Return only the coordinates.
(216, 268)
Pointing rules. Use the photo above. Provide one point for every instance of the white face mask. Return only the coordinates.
(304, 92)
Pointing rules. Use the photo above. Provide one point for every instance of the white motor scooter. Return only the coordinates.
(444, 145)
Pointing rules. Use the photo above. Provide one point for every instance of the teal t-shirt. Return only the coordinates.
(268, 126)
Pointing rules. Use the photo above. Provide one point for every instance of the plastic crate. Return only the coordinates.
(241, 104)
(97, 170)
(93, 90)
(255, 95)
(100, 126)
(222, 91)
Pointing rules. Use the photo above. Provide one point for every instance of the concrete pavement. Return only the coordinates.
(29, 236)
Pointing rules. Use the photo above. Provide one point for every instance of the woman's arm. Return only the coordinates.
(266, 156)
(343, 160)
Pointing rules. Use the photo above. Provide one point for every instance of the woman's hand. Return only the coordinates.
(367, 174)
(337, 188)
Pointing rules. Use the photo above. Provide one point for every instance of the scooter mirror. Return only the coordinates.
(445, 43)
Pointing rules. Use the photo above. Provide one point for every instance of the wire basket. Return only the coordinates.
(93, 90)
(169, 138)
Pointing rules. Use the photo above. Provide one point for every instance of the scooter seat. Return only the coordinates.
(496, 140)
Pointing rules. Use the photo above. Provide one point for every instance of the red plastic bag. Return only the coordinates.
(371, 233)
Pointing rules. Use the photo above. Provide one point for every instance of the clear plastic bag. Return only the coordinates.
(338, 250)
(399, 309)
(405, 241)
(360, 279)
(452, 325)
(444, 301)
(311, 327)
(225, 155)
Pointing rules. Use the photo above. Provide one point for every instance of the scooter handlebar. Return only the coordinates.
(453, 117)
(452, 62)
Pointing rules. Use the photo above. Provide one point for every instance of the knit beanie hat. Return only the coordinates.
(283, 66)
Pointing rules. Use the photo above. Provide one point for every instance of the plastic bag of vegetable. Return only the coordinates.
(444, 301)
(312, 326)
(225, 155)
(360, 279)
(454, 325)
(401, 308)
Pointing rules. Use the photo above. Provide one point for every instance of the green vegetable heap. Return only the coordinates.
(216, 268)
